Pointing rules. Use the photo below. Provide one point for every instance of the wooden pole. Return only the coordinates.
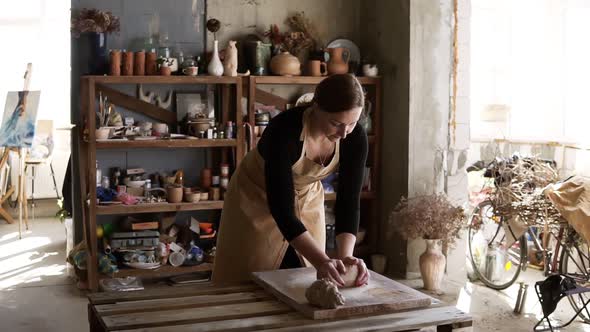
(21, 151)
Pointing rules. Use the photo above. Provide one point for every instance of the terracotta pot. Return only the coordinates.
(165, 71)
(174, 194)
(432, 265)
(198, 125)
(285, 64)
(338, 63)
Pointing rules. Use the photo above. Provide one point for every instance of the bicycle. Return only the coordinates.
(499, 250)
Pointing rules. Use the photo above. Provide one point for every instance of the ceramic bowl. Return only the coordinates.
(135, 184)
(103, 133)
(192, 197)
(196, 126)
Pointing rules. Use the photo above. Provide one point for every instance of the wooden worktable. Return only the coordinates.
(245, 307)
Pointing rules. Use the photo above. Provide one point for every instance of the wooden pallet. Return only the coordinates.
(242, 308)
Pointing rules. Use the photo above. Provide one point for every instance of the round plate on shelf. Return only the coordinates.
(143, 266)
(305, 98)
(355, 53)
(145, 138)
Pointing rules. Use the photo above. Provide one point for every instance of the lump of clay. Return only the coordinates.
(324, 294)
(352, 272)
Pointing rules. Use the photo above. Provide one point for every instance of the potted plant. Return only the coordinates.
(165, 65)
(436, 220)
(92, 26)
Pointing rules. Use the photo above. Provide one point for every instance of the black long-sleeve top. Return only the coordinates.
(281, 146)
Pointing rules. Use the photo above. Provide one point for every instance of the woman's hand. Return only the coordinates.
(363, 275)
(332, 270)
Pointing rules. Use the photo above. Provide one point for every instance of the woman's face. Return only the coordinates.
(338, 125)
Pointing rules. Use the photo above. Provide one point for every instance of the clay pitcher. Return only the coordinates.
(338, 63)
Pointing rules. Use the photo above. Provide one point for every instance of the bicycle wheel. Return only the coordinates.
(485, 232)
(575, 262)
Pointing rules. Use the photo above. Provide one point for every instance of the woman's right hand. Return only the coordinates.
(332, 270)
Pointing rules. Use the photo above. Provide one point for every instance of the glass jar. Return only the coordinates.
(188, 62)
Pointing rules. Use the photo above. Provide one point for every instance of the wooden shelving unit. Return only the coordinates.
(231, 94)
(158, 207)
(231, 109)
(163, 271)
(167, 144)
(369, 200)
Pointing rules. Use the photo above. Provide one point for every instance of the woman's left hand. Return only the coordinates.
(363, 276)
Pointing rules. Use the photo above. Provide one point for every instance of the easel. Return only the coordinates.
(9, 191)
(21, 195)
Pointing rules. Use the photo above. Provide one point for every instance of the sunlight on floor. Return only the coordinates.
(21, 261)
(464, 299)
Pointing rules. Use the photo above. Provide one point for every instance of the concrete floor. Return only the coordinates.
(37, 295)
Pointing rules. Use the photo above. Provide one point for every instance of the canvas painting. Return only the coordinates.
(20, 115)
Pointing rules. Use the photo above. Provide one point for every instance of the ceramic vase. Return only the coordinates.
(285, 64)
(93, 53)
(432, 265)
(215, 67)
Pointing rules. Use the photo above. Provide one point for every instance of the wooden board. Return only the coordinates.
(381, 295)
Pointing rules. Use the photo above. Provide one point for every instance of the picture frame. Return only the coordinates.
(19, 119)
(190, 104)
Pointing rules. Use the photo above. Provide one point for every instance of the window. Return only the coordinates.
(38, 31)
(530, 69)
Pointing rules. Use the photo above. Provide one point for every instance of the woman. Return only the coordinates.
(273, 213)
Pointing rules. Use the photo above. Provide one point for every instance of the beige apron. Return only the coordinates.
(249, 239)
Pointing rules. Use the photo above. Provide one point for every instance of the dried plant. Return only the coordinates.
(302, 36)
(519, 186)
(94, 20)
(274, 35)
(428, 217)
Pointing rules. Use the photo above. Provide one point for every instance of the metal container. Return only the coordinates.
(493, 263)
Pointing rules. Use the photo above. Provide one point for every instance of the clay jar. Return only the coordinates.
(285, 64)
(338, 63)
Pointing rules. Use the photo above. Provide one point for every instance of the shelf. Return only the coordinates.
(175, 143)
(364, 195)
(157, 79)
(163, 271)
(370, 138)
(305, 79)
(158, 207)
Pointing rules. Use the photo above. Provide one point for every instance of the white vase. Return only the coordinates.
(215, 67)
(432, 265)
